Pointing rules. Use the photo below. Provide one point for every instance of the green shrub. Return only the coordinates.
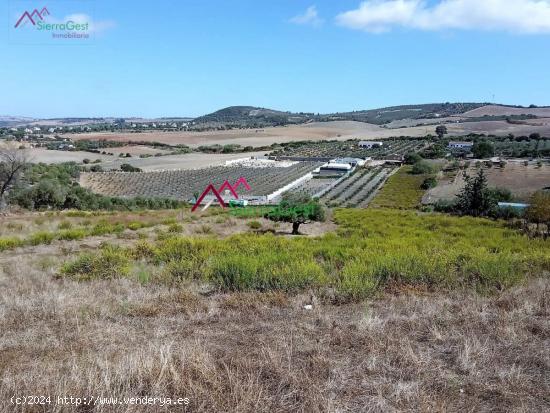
(422, 167)
(255, 225)
(65, 225)
(42, 237)
(268, 271)
(10, 243)
(412, 158)
(174, 228)
(430, 182)
(143, 250)
(110, 262)
(104, 228)
(72, 234)
(134, 226)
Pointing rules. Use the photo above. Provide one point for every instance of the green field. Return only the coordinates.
(401, 191)
(372, 249)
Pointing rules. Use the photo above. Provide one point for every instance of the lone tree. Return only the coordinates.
(298, 210)
(441, 131)
(476, 198)
(12, 163)
(539, 210)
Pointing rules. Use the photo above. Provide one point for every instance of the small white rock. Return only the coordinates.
(308, 307)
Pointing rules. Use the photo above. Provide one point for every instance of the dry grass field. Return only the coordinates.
(496, 110)
(407, 350)
(154, 163)
(521, 180)
(501, 128)
(184, 161)
(340, 130)
(137, 150)
(37, 155)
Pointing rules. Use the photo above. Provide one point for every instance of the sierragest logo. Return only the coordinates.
(32, 16)
(262, 211)
(68, 29)
(69, 25)
(216, 192)
(240, 209)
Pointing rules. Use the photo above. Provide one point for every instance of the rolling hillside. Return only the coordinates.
(250, 116)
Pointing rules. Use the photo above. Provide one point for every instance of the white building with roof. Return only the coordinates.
(460, 145)
(370, 144)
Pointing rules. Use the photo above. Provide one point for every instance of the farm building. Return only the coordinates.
(350, 161)
(396, 158)
(331, 169)
(465, 146)
(370, 144)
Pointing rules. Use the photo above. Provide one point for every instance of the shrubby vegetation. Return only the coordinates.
(483, 149)
(412, 157)
(539, 210)
(126, 167)
(478, 200)
(67, 233)
(430, 182)
(422, 167)
(55, 187)
(372, 249)
(435, 151)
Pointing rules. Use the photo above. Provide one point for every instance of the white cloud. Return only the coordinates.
(310, 17)
(519, 16)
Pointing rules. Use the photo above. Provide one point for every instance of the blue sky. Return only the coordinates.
(191, 57)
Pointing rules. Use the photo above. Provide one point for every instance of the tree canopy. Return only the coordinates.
(483, 149)
(12, 163)
(476, 199)
(298, 210)
(539, 209)
(441, 131)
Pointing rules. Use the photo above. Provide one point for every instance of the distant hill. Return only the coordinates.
(251, 116)
(8, 121)
(383, 116)
(258, 117)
